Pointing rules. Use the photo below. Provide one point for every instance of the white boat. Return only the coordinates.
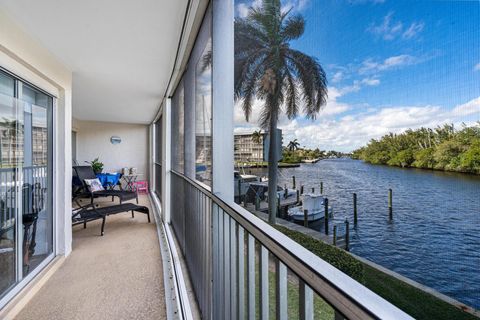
(245, 181)
(311, 160)
(315, 205)
(282, 194)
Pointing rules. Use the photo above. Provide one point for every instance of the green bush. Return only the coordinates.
(470, 160)
(333, 255)
(424, 158)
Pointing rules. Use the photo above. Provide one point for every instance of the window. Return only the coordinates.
(26, 140)
(178, 131)
(158, 157)
(203, 114)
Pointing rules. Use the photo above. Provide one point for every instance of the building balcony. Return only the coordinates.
(136, 88)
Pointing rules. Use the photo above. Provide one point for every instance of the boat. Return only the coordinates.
(244, 180)
(311, 160)
(315, 205)
(260, 189)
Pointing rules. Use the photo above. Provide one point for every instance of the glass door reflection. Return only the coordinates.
(26, 215)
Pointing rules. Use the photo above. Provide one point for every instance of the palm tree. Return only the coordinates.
(285, 79)
(257, 136)
(293, 145)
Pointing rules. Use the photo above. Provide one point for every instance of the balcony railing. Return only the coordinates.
(29, 183)
(241, 266)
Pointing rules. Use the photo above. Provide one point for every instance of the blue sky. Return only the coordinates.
(391, 65)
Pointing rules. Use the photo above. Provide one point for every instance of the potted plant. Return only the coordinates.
(97, 166)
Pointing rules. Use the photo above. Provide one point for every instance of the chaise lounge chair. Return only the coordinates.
(90, 212)
(86, 172)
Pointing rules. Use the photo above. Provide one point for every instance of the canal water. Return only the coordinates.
(434, 237)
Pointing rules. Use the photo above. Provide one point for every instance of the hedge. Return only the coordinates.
(333, 255)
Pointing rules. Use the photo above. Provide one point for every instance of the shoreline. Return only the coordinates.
(423, 169)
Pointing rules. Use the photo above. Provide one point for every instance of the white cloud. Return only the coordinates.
(338, 76)
(355, 130)
(371, 66)
(390, 30)
(414, 29)
(469, 108)
(359, 84)
(295, 5)
(477, 67)
(243, 8)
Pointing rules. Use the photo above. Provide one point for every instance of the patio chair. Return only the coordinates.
(91, 212)
(86, 172)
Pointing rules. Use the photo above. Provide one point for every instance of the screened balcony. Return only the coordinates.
(148, 95)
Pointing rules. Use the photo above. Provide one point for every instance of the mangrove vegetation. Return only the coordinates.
(443, 148)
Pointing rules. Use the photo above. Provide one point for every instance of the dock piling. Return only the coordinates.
(293, 183)
(285, 192)
(298, 197)
(390, 206)
(321, 187)
(334, 235)
(278, 205)
(326, 216)
(305, 218)
(301, 189)
(257, 203)
(239, 191)
(355, 209)
(313, 190)
(347, 234)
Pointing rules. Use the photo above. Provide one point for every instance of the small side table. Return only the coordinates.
(130, 181)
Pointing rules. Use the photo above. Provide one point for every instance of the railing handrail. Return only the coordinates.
(23, 168)
(345, 294)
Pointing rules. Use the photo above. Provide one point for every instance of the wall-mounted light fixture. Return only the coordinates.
(115, 139)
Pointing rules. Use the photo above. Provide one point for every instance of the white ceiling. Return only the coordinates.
(121, 52)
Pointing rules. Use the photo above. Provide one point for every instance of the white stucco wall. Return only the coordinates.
(22, 55)
(93, 140)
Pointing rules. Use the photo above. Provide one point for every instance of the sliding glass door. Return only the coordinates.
(26, 215)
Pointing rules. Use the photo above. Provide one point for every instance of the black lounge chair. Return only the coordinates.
(90, 212)
(86, 172)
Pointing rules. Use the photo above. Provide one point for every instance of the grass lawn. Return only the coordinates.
(417, 303)
(322, 310)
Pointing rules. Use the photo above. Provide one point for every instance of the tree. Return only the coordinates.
(447, 153)
(424, 158)
(470, 159)
(293, 145)
(266, 67)
(257, 136)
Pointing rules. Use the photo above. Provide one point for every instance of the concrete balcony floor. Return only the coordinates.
(117, 276)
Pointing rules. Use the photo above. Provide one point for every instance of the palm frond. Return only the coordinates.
(313, 81)
(291, 96)
(293, 28)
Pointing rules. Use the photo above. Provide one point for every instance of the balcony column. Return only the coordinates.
(223, 99)
(166, 158)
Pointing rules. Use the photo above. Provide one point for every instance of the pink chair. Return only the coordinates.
(142, 186)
